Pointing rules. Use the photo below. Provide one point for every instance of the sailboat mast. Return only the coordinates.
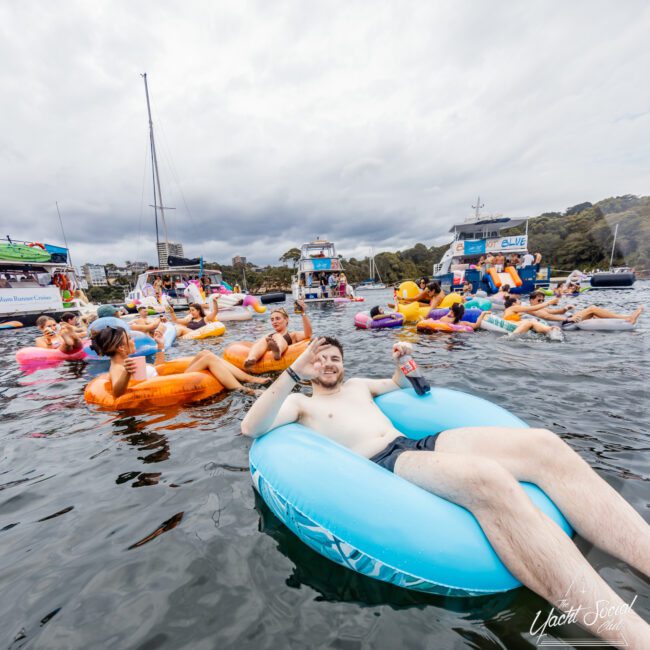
(157, 194)
(611, 257)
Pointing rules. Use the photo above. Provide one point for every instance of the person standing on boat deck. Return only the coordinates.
(528, 260)
(322, 280)
(538, 261)
(479, 468)
(333, 283)
(343, 282)
(499, 262)
(281, 338)
(489, 261)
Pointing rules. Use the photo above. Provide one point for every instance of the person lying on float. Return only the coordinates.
(281, 338)
(116, 344)
(479, 468)
(560, 314)
(455, 317)
(61, 337)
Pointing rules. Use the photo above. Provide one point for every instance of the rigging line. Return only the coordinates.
(166, 150)
(144, 176)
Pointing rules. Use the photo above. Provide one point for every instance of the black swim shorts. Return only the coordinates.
(388, 456)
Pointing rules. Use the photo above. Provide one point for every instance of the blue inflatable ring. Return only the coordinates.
(365, 518)
(144, 344)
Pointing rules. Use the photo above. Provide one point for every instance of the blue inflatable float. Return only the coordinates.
(144, 344)
(365, 518)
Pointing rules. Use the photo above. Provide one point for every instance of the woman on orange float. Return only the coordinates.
(279, 341)
(196, 319)
(115, 343)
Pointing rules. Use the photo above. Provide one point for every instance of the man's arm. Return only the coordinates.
(398, 380)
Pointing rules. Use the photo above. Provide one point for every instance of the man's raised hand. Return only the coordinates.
(308, 364)
(401, 348)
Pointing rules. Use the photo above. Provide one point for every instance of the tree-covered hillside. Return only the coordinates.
(581, 237)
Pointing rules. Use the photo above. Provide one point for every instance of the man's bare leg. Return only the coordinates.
(599, 312)
(534, 548)
(593, 508)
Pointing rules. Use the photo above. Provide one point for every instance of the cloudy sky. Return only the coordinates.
(370, 123)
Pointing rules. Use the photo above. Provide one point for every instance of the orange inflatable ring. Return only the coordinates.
(430, 325)
(172, 386)
(236, 354)
(35, 244)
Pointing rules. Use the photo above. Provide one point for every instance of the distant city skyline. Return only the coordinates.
(371, 124)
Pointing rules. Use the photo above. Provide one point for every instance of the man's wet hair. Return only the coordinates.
(41, 320)
(67, 317)
(505, 288)
(434, 286)
(536, 294)
(330, 340)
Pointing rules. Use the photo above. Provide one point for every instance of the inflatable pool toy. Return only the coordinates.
(268, 298)
(172, 386)
(413, 311)
(498, 325)
(481, 303)
(236, 353)
(34, 355)
(369, 520)
(210, 329)
(231, 314)
(252, 301)
(10, 324)
(429, 325)
(364, 321)
(508, 276)
(193, 293)
(144, 344)
(602, 325)
(407, 291)
(470, 315)
(450, 299)
(350, 299)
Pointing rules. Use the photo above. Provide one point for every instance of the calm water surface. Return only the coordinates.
(144, 531)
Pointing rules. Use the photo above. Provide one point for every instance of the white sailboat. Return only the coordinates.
(371, 284)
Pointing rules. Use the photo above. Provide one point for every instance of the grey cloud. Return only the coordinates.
(371, 123)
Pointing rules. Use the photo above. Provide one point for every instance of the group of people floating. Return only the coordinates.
(529, 317)
(115, 343)
(478, 468)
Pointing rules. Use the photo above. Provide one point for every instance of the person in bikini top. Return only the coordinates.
(278, 342)
(196, 319)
